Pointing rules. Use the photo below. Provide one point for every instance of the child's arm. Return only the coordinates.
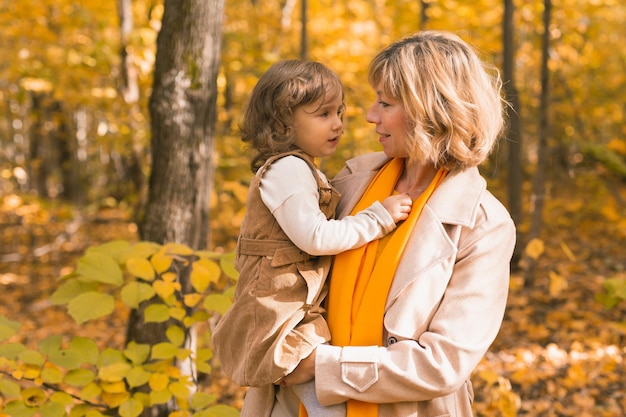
(289, 190)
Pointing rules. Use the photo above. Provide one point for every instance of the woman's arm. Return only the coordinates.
(436, 361)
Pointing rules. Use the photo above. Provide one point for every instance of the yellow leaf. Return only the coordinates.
(92, 390)
(535, 248)
(576, 376)
(168, 277)
(161, 262)
(557, 283)
(567, 251)
(203, 273)
(180, 390)
(489, 376)
(177, 249)
(160, 397)
(33, 397)
(192, 299)
(114, 400)
(165, 289)
(141, 268)
(177, 313)
(158, 382)
(117, 387)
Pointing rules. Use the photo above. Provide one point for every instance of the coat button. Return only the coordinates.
(391, 340)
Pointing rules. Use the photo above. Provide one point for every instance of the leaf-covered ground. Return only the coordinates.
(559, 353)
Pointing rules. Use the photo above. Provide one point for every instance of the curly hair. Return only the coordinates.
(267, 125)
(453, 100)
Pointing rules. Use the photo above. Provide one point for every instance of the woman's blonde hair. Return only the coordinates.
(452, 99)
(267, 124)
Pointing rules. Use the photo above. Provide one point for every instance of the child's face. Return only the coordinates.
(319, 126)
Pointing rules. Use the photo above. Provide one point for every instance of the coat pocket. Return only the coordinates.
(359, 366)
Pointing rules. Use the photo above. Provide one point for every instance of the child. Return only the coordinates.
(295, 114)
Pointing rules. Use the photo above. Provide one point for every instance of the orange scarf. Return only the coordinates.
(362, 277)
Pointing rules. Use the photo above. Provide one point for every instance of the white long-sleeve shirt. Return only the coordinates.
(289, 190)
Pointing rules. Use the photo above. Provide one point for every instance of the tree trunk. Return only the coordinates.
(423, 16)
(539, 180)
(135, 181)
(183, 116)
(514, 132)
(304, 42)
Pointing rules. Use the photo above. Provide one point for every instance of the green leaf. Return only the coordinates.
(11, 350)
(137, 377)
(50, 344)
(137, 353)
(69, 290)
(156, 313)
(134, 293)
(200, 400)
(7, 328)
(91, 305)
(142, 250)
(51, 375)
(9, 389)
(221, 410)
(110, 356)
(176, 335)
(79, 377)
(217, 302)
(99, 267)
(52, 409)
(130, 408)
(114, 372)
(86, 349)
(61, 398)
(164, 350)
(115, 249)
(140, 268)
(227, 263)
(19, 409)
(179, 390)
(31, 357)
(65, 359)
(91, 391)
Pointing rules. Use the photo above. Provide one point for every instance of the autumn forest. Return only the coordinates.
(123, 184)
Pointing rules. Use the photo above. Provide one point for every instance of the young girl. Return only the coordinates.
(295, 114)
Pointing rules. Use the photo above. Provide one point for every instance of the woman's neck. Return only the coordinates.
(415, 178)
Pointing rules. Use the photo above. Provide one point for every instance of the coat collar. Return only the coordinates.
(456, 200)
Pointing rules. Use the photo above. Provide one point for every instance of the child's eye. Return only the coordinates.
(383, 104)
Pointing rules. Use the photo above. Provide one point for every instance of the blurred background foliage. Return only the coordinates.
(68, 133)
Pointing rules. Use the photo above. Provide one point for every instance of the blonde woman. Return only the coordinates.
(412, 314)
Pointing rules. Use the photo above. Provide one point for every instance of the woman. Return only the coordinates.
(413, 313)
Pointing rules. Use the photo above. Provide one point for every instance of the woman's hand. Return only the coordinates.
(304, 372)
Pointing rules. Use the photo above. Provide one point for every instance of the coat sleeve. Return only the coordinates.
(290, 192)
(446, 347)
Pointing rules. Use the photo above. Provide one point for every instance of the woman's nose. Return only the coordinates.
(372, 115)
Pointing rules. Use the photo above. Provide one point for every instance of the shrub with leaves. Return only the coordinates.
(77, 378)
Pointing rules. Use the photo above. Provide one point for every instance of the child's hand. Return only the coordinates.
(399, 206)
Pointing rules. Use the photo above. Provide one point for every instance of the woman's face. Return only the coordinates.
(391, 122)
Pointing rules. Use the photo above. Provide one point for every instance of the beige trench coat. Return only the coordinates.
(443, 311)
